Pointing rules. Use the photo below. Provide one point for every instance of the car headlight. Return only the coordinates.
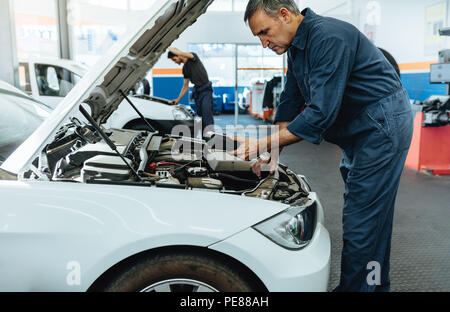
(304, 183)
(181, 114)
(293, 228)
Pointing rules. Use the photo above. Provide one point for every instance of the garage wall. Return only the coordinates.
(401, 31)
(402, 27)
(407, 22)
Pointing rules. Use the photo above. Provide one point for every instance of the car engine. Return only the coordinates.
(78, 154)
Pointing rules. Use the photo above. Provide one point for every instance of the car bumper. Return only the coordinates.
(280, 269)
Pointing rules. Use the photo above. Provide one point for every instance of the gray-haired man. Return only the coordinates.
(340, 88)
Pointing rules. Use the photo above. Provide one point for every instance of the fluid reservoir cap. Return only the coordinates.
(198, 172)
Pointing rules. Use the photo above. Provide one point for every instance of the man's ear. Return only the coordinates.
(285, 15)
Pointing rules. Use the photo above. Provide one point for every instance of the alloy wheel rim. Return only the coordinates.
(180, 285)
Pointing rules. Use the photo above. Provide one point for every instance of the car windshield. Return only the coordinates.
(19, 117)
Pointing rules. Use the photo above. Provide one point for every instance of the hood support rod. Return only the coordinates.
(137, 111)
(107, 140)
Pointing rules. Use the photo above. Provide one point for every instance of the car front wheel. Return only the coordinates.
(180, 272)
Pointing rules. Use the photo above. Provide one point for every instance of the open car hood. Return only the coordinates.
(142, 55)
(119, 71)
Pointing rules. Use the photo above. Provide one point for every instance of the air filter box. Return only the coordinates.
(103, 167)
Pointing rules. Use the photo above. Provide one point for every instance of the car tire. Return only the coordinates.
(179, 272)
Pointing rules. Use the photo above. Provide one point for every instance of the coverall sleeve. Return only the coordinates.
(330, 63)
(291, 100)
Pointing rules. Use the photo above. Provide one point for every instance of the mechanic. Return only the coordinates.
(340, 88)
(195, 72)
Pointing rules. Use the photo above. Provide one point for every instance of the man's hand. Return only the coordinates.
(174, 102)
(174, 50)
(266, 162)
(248, 148)
(181, 53)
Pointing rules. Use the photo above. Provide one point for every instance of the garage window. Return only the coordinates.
(36, 30)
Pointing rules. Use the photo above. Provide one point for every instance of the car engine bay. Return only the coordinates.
(79, 154)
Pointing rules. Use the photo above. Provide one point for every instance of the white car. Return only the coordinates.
(49, 80)
(90, 208)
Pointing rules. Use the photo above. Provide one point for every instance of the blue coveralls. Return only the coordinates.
(340, 88)
(203, 97)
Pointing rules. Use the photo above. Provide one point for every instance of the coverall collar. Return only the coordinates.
(301, 36)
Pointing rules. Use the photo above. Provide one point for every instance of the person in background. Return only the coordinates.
(202, 94)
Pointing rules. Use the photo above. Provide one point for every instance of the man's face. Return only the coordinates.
(177, 60)
(272, 30)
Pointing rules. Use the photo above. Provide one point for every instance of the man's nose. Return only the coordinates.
(264, 42)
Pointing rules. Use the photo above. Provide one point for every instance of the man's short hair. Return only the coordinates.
(271, 7)
(171, 55)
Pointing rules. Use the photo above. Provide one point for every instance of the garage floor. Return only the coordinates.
(420, 257)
